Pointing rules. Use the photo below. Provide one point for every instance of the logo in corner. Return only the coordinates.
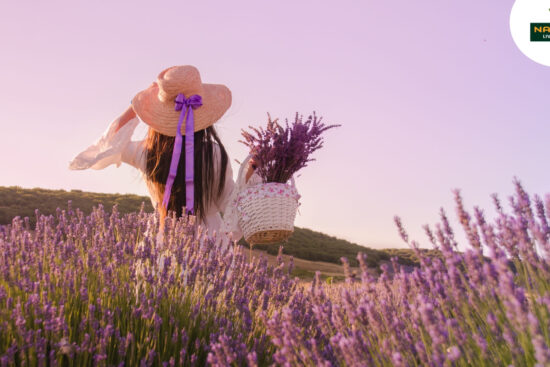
(530, 29)
(540, 32)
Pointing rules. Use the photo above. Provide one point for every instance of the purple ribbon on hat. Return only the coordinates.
(182, 105)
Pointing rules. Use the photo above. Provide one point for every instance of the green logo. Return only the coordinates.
(540, 32)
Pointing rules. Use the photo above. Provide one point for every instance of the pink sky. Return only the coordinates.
(431, 95)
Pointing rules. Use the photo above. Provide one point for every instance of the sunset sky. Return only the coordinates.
(431, 95)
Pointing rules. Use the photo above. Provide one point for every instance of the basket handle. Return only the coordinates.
(293, 182)
(242, 172)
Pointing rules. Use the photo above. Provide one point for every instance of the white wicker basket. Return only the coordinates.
(267, 211)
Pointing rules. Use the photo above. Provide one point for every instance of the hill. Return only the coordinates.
(304, 243)
(316, 246)
(17, 201)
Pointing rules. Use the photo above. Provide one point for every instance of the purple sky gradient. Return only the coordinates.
(432, 96)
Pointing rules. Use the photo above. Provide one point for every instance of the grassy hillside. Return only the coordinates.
(316, 246)
(17, 201)
(304, 243)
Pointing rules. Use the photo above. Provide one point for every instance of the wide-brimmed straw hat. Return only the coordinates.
(155, 105)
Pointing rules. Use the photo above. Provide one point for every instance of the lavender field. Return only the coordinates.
(98, 290)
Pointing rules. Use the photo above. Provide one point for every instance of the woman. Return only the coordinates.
(194, 175)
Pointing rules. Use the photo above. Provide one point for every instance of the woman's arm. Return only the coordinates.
(108, 149)
(125, 117)
(134, 154)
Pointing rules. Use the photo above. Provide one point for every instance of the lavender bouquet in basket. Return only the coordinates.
(282, 151)
(266, 211)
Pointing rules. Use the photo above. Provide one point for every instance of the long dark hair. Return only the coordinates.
(158, 156)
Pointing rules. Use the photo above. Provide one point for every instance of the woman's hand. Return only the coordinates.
(125, 117)
(252, 165)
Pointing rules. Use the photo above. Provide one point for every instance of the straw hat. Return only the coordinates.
(155, 105)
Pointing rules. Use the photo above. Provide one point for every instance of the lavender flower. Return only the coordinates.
(99, 289)
(279, 151)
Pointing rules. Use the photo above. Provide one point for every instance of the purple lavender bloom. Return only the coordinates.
(99, 288)
(282, 151)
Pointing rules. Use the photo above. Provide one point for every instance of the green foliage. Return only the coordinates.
(302, 273)
(17, 201)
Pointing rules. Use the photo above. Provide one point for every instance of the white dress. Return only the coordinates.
(115, 147)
